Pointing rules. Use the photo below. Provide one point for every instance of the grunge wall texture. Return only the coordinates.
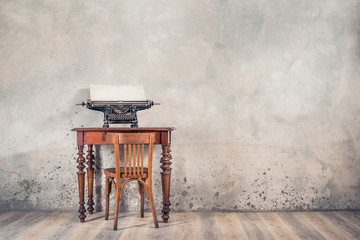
(264, 96)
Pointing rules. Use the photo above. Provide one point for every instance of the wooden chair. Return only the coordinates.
(133, 170)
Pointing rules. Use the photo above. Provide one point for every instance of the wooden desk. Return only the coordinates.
(97, 136)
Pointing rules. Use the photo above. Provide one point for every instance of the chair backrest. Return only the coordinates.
(134, 151)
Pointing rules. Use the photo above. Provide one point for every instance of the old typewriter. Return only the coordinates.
(118, 111)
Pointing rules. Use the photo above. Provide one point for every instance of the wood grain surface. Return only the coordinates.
(183, 225)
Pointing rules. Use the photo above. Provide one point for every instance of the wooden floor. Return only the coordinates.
(200, 225)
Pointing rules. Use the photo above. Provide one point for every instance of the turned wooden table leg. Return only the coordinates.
(81, 181)
(165, 179)
(90, 178)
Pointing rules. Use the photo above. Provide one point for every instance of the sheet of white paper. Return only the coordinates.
(116, 93)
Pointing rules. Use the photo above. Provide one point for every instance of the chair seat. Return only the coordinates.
(111, 172)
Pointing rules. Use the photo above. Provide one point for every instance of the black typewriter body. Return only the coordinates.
(119, 112)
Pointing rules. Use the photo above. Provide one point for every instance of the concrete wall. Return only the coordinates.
(264, 96)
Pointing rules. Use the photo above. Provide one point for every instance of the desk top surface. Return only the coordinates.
(124, 129)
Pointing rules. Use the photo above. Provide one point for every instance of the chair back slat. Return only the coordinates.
(133, 156)
(129, 159)
(125, 162)
(134, 159)
(138, 158)
(142, 158)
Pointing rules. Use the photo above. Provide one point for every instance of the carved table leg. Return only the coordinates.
(165, 179)
(90, 178)
(81, 181)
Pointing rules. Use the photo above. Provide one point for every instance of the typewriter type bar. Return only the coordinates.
(122, 103)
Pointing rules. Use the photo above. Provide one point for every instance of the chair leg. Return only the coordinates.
(141, 191)
(108, 191)
(150, 195)
(117, 203)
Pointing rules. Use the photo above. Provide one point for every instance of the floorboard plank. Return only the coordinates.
(278, 228)
(356, 214)
(164, 232)
(300, 226)
(325, 228)
(65, 228)
(11, 216)
(254, 227)
(2, 211)
(184, 226)
(339, 222)
(108, 232)
(230, 226)
(207, 226)
(350, 218)
(18, 226)
(89, 229)
(137, 227)
(42, 229)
